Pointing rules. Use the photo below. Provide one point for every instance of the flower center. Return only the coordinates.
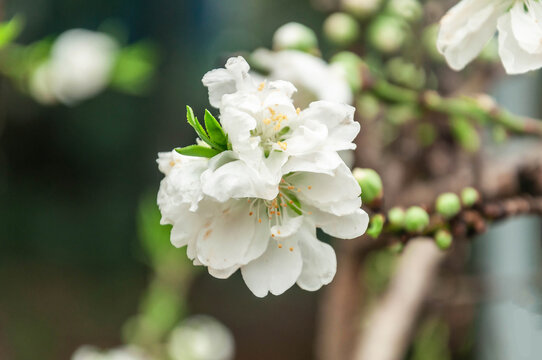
(273, 130)
(276, 210)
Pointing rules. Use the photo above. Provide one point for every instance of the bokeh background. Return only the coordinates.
(72, 270)
(77, 189)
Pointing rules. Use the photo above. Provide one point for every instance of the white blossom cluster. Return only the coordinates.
(468, 26)
(79, 67)
(256, 204)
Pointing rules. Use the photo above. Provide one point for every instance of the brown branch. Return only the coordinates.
(340, 304)
(387, 334)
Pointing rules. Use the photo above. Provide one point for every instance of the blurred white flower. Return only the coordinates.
(313, 77)
(468, 26)
(122, 353)
(256, 207)
(201, 337)
(295, 36)
(79, 67)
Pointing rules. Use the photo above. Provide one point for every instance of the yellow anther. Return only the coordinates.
(291, 202)
(291, 187)
(260, 221)
(271, 111)
(282, 145)
(298, 190)
(280, 246)
(267, 121)
(250, 213)
(278, 232)
(278, 213)
(272, 235)
(261, 86)
(291, 249)
(277, 127)
(298, 110)
(310, 213)
(172, 163)
(309, 187)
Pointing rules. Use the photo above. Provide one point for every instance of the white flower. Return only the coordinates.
(273, 242)
(256, 207)
(123, 353)
(265, 129)
(313, 77)
(201, 337)
(79, 67)
(469, 25)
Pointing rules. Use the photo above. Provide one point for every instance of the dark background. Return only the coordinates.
(71, 178)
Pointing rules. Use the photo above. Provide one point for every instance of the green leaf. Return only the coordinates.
(214, 129)
(194, 122)
(197, 150)
(10, 30)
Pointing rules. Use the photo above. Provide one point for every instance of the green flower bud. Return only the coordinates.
(368, 106)
(376, 225)
(352, 65)
(396, 248)
(341, 29)
(405, 73)
(470, 196)
(410, 10)
(370, 183)
(443, 239)
(416, 219)
(465, 134)
(361, 8)
(429, 41)
(387, 33)
(401, 114)
(396, 217)
(295, 36)
(448, 205)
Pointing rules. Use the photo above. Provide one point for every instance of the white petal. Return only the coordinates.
(226, 81)
(261, 236)
(466, 29)
(319, 261)
(324, 162)
(514, 58)
(182, 184)
(307, 138)
(225, 239)
(222, 273)
(276, 270)
(526, 27)
(226, 179)
(338, 193)
(288, 227)
(339, 120)
(348, 226)
(185, 228)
